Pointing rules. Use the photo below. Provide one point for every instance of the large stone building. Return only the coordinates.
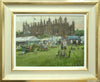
(56, 27)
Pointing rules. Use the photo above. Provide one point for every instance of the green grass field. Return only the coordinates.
(49, 58)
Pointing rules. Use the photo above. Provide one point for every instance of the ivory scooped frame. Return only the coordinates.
(70, 3)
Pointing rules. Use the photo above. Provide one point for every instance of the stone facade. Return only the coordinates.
(56, 27)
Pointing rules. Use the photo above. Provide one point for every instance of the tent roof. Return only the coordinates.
(28, 38)
(73, 37)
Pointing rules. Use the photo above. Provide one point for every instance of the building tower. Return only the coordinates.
(73, 28)
(25, 28)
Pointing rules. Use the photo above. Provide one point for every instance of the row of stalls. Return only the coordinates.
(70, 39)
(23, 43)
(75, 40)
(27, 40)
(55, 39)
(34, 40)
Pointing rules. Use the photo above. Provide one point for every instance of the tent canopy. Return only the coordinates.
(73, 38)
(28, 38)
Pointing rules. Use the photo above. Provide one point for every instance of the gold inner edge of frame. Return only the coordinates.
(96, 47)
(12, 37)
(12, 41)
(87, 28)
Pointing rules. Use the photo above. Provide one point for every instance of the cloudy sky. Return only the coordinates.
(20, 18)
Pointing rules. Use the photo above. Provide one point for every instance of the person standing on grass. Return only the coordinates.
(64, 45)
(76, 42)
(45, 45)
(61, 47)
(71, 45)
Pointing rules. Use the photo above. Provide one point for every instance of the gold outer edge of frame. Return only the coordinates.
(98, 42)
(2, 14)
(96, 33)
(12, 37)
(1, 36)
(87, 78)
(50, 2)
(3, 41)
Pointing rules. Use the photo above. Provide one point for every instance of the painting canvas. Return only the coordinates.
(50, 40)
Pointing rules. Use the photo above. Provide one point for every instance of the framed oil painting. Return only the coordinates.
(49, 41)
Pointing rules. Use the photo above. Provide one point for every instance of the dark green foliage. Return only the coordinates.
(19, 33)
(42, 36)
(45, 35)
(79, 32)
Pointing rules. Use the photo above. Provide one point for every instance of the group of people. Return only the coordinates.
(47, 44)
(63, 47)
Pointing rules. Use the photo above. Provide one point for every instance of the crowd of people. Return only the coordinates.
(61, 45)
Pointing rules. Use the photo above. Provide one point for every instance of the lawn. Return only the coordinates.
(49, 58)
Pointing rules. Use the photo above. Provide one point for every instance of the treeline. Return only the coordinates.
(79, 32)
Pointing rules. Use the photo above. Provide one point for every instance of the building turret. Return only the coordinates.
(34, 24)
(41, 23)
(55, 21)
(25, 28)
(49, 20)
(65, 20)
(44, 21)
(38, 23)
(60, 19)
(73, 26)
